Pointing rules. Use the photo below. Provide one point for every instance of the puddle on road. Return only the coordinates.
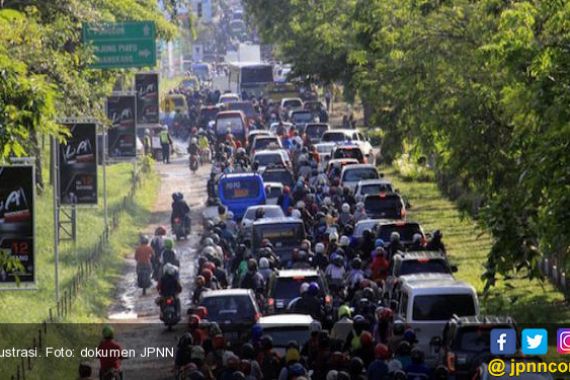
(125, 315)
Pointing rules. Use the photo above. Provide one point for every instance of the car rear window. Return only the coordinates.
(271, 212)
(283, 335)
(348, 153)
(287, 288)
(315, 131)
(423, 266)
(283, 176)
(263, 143)
(334, 137)
(268, 159)
(359, 174)
(442, 307)
(406, 231)
(229, 308)
(292, 103)
(376, 188)
(387, 207)
(302, 117)
(274, 192)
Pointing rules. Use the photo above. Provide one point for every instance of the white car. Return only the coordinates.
(366, 224)
(353, 136)
(372, 186)
(272, 192)
(352, 174)
(289, 104)
(262, 142)
(228, 98)
(325, 150)
(273, 127)
(265, 158)
(286, 327)
(270, 211)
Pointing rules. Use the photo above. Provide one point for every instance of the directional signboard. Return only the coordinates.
(122, 44)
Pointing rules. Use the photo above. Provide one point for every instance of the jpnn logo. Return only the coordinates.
(534, 341)
(503, 341)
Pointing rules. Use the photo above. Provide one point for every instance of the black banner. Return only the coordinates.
(122, 139)
(78, 165)
(146, 86)
(17, 221)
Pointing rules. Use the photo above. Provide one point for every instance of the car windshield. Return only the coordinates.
(268, 159)
(359, 174)
(348, 153)
(287, 288)
(232, 123)
(284, 334)
(334, 137)
(294, 103)
(376, 188)
(209, 113)
(406, 231)
(262, 143)
(442, 307)
(230, 308)
(270, 212)
(423, 266)
(282, 176)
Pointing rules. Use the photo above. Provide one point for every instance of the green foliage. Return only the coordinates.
(480, 86)
(412, 169)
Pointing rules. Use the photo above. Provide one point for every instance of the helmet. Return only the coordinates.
(417, 238)
(381, 351)
(266, 342)
(144, 239)
(170, 269)
(165, 127)
(410, 336)
(263, 263)
(366, 339)
(379, 243)
(208, 242)
(344, 241)
(209, 252)
(345, 207)
(252, 265)
(343, 310)
(398, 327)
(202, 312)
(194, 320)
(256, 331)
(296, 370)
(356, 263)
(403, 348)
(394, 237)
(368, 293)
(200, 281)
(356, 365)
(360, 206)
(296, 214)
(194, 140)
(304, 287)
(168, 243)
(437, 234)
(230, 215)
(333, 236)
(218, 342)
(319, 248)
(306, 244)
(207, 274)
(313, 289)
(108, 332)
(300, 204)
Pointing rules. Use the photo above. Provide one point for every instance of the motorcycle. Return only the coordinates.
(205, 156)
(194, 163)
(169, 312)
(179, 229)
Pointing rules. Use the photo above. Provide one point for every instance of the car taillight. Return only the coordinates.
(451, 362)
(328, 299)
(169, 301)
(271, 301)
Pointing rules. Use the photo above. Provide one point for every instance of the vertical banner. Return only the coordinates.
(146, 86)
(17, 197)
(78, 165)
(122, 139)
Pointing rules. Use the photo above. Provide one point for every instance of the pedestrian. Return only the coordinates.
(166, 143)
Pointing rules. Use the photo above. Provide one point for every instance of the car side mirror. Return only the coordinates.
(453, 268)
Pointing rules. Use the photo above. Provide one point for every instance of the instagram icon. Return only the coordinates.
(563, 341)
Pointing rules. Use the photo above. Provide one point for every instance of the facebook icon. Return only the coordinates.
(503, 341)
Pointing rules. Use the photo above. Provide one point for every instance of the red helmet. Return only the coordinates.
(207, 274)
(209, 265)
(218, 342)
(286, 190)
(385, 314)
(202, 312)
(194, 320)
(366, 339)
(381, 351)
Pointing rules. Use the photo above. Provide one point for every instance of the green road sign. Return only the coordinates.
(122, 44)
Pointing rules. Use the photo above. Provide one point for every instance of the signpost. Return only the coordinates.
(17, 228)
(122, 44)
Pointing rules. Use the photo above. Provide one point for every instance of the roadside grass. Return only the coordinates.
(89, 309)
(527, 301)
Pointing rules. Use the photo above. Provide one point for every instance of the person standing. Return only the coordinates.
(143, 257)
(147, 143)
(328, 98)
(166, 143)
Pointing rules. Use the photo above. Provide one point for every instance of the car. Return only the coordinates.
(262, 142)
(318, 109)
(426, 304)
(354, 136)
(272, 192)
(366, 224)
(405, 264)
(300, 118)
(283, 130)
(238, 191)
(372, 186)
(339, 163)
(385, 205)
(175, 103)
(279, 174)
(284, 233)
(348, 151)
(314, 131)
(256, 132)
(228, 98)
(352, 174)
(284, 287)
(233, 121)
(324, 150)
(283, 328)
(265, 158)
(465, 343)
(251, 115)
(289, 104)
(234, 310)
(207, 114)
(406, 229)
(270, 211)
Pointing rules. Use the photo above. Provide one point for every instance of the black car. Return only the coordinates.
(385, 205)
(465, 343)
(285, 285)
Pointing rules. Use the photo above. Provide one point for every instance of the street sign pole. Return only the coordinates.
(55, 176)
(105, 184)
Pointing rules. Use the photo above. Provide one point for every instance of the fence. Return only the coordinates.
(550, 269)
(84, 271)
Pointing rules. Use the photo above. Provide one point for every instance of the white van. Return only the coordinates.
(427, 304)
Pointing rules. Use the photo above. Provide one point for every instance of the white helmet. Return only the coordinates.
(344, 241)
(345, 207)
(194, 140)
(230, 214)
(296, 214)
(327, 201)
(360, 206)
(165, 127)
(300, 204)
(320, 248)
(304, 287)
(263, 263)
(147, 131)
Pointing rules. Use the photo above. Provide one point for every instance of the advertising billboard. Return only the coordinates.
(78, 165)
(146, 86)
(17, 197)
(122, 139)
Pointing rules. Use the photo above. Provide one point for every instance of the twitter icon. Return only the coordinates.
(534, 341)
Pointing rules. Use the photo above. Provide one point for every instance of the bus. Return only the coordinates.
(249, 78)
(238, 191)
(277, 91)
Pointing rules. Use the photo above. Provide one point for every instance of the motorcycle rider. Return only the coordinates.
(342, 328)
(309, 302)
(211, 188)
(193, 149)
(181, 210)
(166, 143)
(168, 254)
(435, 243)
(143, 257)
(252, 278)
(395, 244)
(110, 360)
(169, 286)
